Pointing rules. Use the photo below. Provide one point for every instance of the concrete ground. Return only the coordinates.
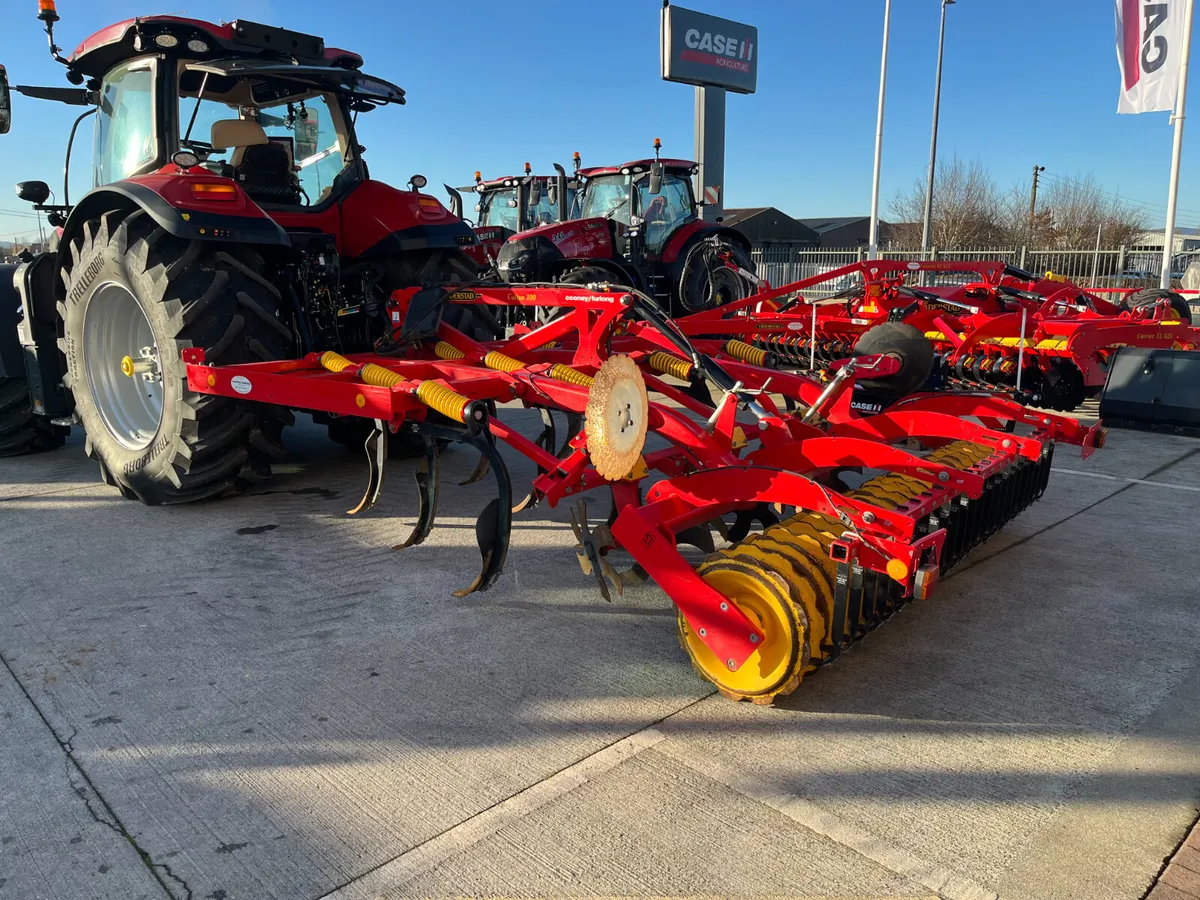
(257, 698)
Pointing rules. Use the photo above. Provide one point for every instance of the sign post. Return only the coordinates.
(716, 55)
(1153, 45)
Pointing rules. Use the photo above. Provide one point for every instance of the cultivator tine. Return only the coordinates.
(548, 441)
(697, 389)
(481, 470)
(493, 528)
(574, 426)
(699, 536)
(482, 467)
(428, 478)
(744, 522)
(376, 446)
(590, 560)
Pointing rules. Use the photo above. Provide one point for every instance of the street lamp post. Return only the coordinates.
(927, 227)
(873, 240)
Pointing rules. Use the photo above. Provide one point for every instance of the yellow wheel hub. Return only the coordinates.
(775, 667)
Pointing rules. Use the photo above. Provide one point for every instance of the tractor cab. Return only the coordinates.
(508, 205)
(637, 224)
(631, 196)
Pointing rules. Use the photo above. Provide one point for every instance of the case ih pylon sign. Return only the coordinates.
(709, 51)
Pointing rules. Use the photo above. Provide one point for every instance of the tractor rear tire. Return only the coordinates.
(707, 283)
(130, 285)
(905, 343)
(1150, 296)
(21, 430)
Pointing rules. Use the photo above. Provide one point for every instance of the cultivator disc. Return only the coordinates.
(616, 418)
(811, 607)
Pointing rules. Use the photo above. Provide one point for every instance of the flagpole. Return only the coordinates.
(1177, 150)
(873, 241)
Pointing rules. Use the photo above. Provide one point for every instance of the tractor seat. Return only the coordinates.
(263, 169)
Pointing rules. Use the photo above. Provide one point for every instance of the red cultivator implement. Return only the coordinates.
(998, 328)
(829, 521)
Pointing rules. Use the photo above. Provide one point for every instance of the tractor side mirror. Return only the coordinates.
(456, 201)
(5, 103)
(35, 192)
(535, 192)
(656, 177)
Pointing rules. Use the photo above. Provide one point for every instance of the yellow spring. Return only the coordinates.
(379, 376)
(569, 375)
(370, 373)
(670, 365)
(450, 404)
(445, 351)
(502, 363)
(334, 362)
(743, 351)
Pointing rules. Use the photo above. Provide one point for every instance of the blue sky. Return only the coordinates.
(491, 85)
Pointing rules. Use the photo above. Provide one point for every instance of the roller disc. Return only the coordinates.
(617, 411)
(765, 598)
(809, 586)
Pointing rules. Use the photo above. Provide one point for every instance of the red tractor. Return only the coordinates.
(232, 211)
(513, 204)
(637, 225)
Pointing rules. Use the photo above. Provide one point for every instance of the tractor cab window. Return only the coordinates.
(497, 211)
(666, 210)
(607, 197)
(125, 130)
(305, 149)
(544, 212)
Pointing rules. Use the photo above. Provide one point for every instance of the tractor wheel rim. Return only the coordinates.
(769, 668)
(726, 287)
(116, 333)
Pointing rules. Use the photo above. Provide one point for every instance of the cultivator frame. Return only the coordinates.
(1045, 339)
(827, 563)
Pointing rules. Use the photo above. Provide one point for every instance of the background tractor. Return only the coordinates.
(508, 205)
(232, 211)
(637, 225)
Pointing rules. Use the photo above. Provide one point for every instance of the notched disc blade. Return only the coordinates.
(617, 415)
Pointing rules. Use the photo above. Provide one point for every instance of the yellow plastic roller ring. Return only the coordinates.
(764, 597)
(803, 585)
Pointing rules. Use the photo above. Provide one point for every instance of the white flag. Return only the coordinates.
(1149, 52)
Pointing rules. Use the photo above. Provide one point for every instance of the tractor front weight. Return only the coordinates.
(816, 523)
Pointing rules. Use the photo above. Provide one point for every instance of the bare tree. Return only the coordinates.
(1069, 213)
(966, 208)
(1079, 209)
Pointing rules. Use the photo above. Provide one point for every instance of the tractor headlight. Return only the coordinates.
(516, 263)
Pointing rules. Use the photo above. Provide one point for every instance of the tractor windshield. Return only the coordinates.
(607, 196)
(497, 209)
(125, 134)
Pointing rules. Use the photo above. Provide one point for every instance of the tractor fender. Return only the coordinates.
(686, 237)
(676, 252)
(12, 361)
(249, 226)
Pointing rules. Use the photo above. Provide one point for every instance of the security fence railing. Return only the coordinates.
(1122, 267)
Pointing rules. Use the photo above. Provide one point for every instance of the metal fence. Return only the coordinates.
(1107, 267)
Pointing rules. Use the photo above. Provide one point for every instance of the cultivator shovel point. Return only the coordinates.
(831, 520)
